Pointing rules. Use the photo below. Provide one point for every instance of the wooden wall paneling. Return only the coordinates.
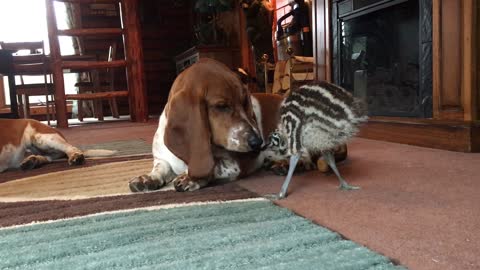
(321, 38)
(167, 30)
(245, 47)
(447, 60)
(327, 41)
(244, 44)
(476, 67)
(135, 62)
(448, 135)
(314, 35)
(476, 79)
(468, 57)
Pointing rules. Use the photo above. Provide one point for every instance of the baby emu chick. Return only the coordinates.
(314, 120)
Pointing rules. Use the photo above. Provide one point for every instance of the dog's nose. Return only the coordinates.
(255, 142)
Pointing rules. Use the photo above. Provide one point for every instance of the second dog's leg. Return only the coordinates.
(35, 161)
(53, 142)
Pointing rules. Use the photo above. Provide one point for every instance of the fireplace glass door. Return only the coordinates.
(380, 57)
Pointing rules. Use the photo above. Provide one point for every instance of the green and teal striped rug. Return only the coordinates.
(241, 234)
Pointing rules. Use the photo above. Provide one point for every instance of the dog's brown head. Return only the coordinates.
(208, 104)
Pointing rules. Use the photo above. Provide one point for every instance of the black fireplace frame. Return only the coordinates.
(343, 10)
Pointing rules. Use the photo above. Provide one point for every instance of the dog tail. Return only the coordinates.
(99, 153)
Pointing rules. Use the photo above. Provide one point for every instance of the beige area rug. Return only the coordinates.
(98, 181)
(123, 147)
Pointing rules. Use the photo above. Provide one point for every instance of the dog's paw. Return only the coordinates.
(183, 182)
(144, 183)
(30, 162)
(76, 159)
(280, 167)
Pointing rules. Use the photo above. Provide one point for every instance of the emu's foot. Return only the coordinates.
(144, 183)
(275, 197)
(345, 186)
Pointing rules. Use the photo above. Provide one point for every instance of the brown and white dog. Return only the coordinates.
(212, 128)
(19, 137)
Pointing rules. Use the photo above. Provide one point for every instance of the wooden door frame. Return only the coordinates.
(321, 39)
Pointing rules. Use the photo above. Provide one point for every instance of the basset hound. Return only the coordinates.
(28, 144)
(212, 128)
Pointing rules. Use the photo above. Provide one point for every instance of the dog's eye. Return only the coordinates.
(223, 107)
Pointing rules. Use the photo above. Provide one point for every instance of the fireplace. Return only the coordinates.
(382, 53)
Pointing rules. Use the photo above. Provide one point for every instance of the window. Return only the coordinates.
(26, 21)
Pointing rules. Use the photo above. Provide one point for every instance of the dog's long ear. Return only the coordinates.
(187, 134)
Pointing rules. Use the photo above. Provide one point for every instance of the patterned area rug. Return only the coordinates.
(245, 234)
(124, 148)
(84, 182)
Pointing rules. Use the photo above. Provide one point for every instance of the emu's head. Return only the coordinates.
(277, 142)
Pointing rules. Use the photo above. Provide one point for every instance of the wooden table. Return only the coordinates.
(6, 68)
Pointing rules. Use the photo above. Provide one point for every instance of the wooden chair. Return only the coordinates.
(97, 86)
(132, 61)
(32, 64)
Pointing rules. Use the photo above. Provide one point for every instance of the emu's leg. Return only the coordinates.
(293, 163)
(328, 156)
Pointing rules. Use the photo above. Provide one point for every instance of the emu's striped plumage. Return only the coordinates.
(315, 119)
(319, 117)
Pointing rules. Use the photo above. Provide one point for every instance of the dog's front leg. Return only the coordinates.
(183, 182)
(226, 169)
(160, 175)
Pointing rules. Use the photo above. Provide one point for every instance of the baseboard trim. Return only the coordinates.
(448, 135)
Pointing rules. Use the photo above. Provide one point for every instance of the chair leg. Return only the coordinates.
(80, 110)
(53, 109)
(21, 113)
(98, 109)
(26, 106)
(114, 107)
(47, 105)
